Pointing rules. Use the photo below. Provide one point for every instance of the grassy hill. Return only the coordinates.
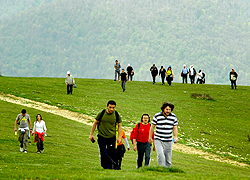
(219, 126)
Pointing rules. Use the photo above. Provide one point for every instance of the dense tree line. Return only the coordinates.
(53, 36)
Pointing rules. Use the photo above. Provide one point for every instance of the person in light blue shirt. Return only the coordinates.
(117, 70)
(184, 73)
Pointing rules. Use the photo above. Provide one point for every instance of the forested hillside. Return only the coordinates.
(47, 38)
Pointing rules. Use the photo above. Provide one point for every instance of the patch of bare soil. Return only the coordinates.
(88, 120)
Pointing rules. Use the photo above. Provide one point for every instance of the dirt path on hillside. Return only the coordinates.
(88, 120)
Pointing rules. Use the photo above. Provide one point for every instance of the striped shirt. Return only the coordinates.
(164, 126)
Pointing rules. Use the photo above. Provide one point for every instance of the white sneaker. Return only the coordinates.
(21, 149)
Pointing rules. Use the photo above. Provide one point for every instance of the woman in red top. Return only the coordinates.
(141, 136)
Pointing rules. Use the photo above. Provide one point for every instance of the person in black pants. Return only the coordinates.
(192, 74)
(124, 78)
(233, 77)
(184, 73)
(162, 73)
(130, 72)
(154, 72)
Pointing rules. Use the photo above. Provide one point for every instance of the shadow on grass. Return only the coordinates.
(161, 169)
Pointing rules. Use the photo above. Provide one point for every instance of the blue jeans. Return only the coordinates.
(123, 85)
(143, 148)
(164, 152)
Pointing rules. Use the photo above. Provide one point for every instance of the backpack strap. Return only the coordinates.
(101, 115)
(100, 118)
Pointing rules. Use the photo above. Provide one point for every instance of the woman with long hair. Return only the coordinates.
(39, 129)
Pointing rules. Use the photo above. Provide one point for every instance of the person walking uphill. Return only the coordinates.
(141, 135)
(121, 150)
(69, 81)
(166, 124)
(106, 122)
(233, 78)
(154, 72)
(24, 122)
(124, 78)
(39, 129)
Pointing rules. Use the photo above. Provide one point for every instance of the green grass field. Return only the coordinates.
(220, 126)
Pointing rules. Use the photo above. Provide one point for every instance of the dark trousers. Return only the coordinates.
(192, 78)
(153, 76)
(131, 76)
(199, 81)
(108, 155)
(39, 143)
(143, 148)
(123, 85)
(233, 84)
(163, 80)
(69, 89)
(169, 80)
(184, 78)
(120, 153)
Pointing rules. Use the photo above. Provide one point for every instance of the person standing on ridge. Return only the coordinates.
(117, 69)
(233, 78)
(154, 72)
(170, 75)
(192, 74)
(162, 73)
(130, 72)
(69, 81)
(184, 73)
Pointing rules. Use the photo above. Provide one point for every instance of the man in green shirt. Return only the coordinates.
(106, 122)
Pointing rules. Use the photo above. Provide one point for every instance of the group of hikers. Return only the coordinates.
(110, 134)
(169, 75)
(25, 129)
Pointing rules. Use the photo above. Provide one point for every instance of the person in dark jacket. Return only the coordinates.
(233, 78)
(154, 72)
(130, 72)
(192, 74)
(162, 73)
(123, 77)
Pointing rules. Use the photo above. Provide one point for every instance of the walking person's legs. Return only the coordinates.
(25, 140)
(140, 150)
(162, 80)
(68, 91)
(160, 153)
(168, 153)
(147, 153)
(71, 88)
(153, 79)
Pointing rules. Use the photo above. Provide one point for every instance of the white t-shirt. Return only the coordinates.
(39, 127)
(199, 75)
